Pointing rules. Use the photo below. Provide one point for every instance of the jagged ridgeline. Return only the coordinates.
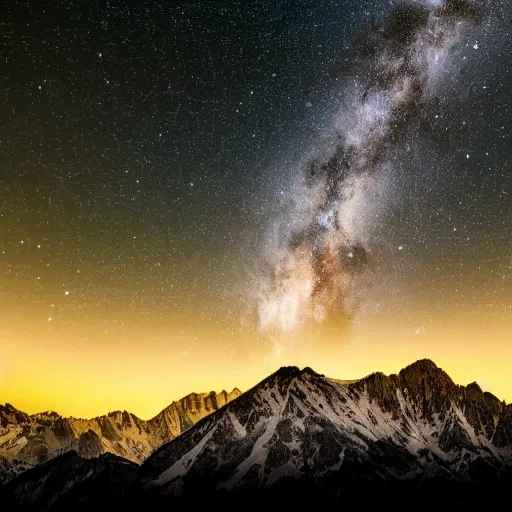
(299, 439)
(29, 440)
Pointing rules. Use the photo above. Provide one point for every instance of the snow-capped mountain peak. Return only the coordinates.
(297, 422)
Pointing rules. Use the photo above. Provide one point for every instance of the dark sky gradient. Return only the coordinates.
(125, 121)
(145, 148)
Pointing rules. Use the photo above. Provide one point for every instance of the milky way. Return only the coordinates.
(325, 241)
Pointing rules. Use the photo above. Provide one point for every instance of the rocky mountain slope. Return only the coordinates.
(298, 423)
(301, 440)
(27, 440)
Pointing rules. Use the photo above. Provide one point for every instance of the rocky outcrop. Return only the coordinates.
(503, 435)
(89, 445)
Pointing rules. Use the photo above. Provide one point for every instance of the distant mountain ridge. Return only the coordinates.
(302, 441)
(28, 440)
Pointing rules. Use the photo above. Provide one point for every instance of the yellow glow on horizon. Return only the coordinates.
(144, 379)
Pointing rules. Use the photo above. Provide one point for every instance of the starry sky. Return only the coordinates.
(151, 157)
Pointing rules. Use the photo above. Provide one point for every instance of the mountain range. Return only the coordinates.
(29, 440)
(300, 440)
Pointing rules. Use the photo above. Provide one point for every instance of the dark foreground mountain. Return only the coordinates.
(299, 440)
(70, 482)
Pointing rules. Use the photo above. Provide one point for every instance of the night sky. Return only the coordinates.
(151, 158)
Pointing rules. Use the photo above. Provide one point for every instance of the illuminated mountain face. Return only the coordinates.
(30, 440)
